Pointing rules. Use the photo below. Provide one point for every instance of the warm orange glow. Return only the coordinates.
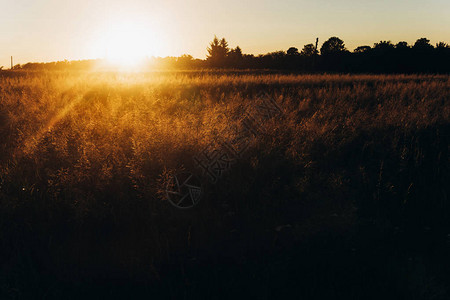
(127, 44)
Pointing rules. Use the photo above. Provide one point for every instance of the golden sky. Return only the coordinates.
(50, 30)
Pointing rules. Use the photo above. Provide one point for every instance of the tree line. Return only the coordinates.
(333, 56)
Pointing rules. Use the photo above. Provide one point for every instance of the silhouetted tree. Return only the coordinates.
(399, 58)
(442, 45)
(360, 58)
(402, 45)
(292, 51)
(292, 59)
(236, 51)
(224, 44)
(332, 46)
(383, 46)
(334, 55)
(185, 61)
(422, 52)
(308, 57)
(423, 44)
(235, 57)
(217, 52)
(309, 50)
(441, 57)
(382, 58)
(362, 49)
(272, 60)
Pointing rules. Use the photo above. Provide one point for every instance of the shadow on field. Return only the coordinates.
(364, 219)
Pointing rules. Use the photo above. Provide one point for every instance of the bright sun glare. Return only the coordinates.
(127, 44)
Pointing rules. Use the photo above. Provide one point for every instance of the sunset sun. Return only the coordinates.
(127, 44)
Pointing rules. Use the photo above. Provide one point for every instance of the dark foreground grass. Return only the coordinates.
(345, 195)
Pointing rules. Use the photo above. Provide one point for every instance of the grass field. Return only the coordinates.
(344, 195)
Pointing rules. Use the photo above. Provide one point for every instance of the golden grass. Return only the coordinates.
(84, 158)
(62, 129)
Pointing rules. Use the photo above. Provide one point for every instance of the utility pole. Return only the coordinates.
(11, 63)
(315, 54)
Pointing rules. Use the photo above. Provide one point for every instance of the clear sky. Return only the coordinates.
(50, 30)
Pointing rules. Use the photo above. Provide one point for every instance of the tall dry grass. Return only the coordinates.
(83, 158)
